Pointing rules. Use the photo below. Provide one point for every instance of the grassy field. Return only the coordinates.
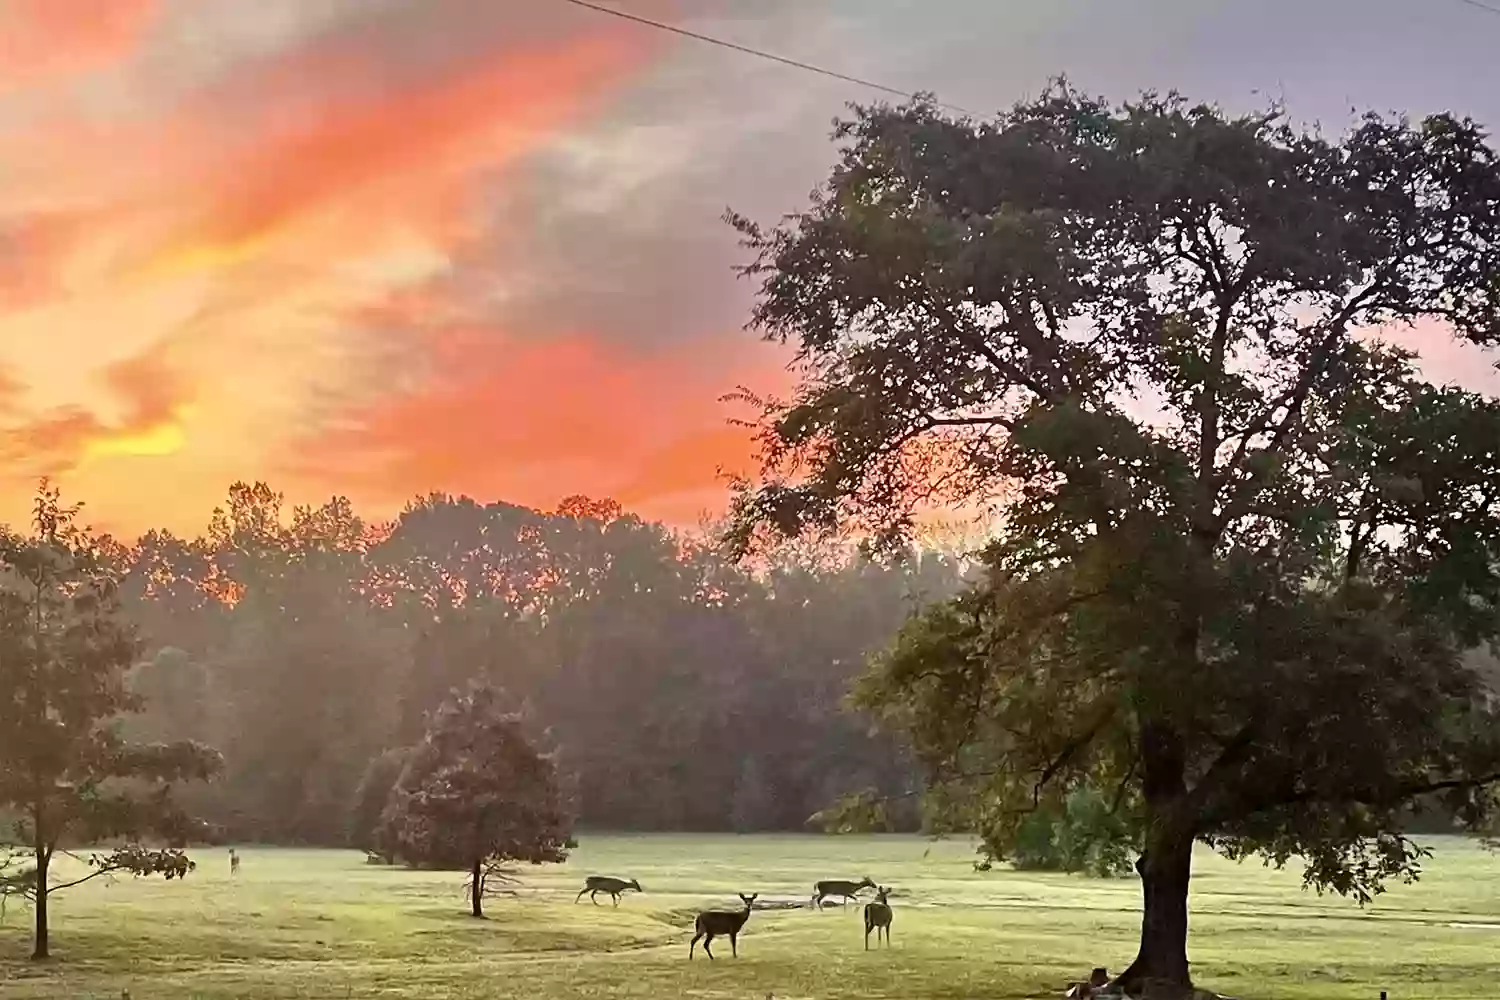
(323, 924)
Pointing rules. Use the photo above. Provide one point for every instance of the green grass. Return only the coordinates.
(323, 924)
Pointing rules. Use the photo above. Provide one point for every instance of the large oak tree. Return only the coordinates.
(1243, 545)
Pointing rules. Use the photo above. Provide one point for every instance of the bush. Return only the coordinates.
(1085, 835)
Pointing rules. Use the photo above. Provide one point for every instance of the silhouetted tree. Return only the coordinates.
(1190, 595)
(370, 800)
(476, 795)
(64, 768)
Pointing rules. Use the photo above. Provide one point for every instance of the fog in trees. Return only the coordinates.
(681, 691)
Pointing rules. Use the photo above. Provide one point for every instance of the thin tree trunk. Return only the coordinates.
(476, 891)
(39, 950)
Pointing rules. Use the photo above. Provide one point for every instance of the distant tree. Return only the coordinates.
(1243, 548)
(476, 795)
(64, 768)
(174, 691)
(370, 800)
(753, 808)
(301, 623)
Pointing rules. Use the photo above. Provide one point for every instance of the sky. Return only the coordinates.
(381, 248)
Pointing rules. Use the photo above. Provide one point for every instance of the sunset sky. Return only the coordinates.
(386, 247)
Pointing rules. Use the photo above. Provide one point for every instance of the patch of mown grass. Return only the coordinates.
(323, 924)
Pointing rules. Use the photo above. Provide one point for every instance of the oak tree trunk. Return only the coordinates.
(476, 890)
(1165, 867)
(1161, 962)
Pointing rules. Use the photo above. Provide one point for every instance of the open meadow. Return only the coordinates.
(311, 923)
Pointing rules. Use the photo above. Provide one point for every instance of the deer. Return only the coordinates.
(1090, 987)
(835, 887)
(595, 884)
(877, 916)
(234, 862)
(711, 923)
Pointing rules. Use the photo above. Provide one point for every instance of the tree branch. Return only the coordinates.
(1069, 752)
(1295, 397)
(79, 881)
(1235, 753)
(984, 421)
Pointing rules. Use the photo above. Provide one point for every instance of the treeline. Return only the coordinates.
(682, 692)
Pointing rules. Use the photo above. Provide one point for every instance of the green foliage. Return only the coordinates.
(305, 642)
(65, 769)
(370, 800)
(475, 794)
(1087, 835)
(1244, 549)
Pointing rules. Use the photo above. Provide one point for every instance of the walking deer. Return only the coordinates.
(711, 923)
(595, 884)
(878, 916)
(836, 887)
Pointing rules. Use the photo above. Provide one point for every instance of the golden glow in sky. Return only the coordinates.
(253, 241)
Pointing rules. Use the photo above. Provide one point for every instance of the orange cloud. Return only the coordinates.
(534, 420)
(153, 402)
(208, 278)
(11, 388)
(249, 261)
(46, 39)
(400, 161)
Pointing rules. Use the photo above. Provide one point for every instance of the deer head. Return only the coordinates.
(635, 885)
(750, 900)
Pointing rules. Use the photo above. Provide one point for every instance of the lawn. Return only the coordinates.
(323, 924)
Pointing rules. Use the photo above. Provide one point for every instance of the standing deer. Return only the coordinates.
(711, 923)
(595, 884)
(835, 887)
(877, 916)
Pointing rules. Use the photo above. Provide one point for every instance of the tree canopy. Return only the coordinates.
(1243, 543)
(476, 795)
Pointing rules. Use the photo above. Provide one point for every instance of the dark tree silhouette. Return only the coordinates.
(64, 768)
(1243, 600)
(476, 795)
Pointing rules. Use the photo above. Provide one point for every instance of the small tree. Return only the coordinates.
(475, 794)
(65, 770)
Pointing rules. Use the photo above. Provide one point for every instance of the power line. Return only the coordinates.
(1480, 5)
(758, 53)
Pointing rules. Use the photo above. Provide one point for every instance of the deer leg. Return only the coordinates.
(708, 939)
(592, 899)
(696, 937)
(580, 894)
(867, 937)
(616, 897)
